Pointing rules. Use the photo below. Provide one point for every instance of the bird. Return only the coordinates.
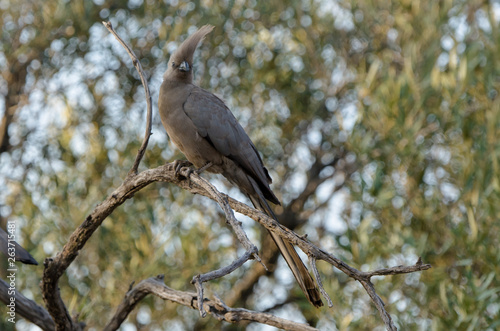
(12, 249)
(203, 128)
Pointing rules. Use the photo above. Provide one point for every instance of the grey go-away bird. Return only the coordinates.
(205, 130)
(20, 253)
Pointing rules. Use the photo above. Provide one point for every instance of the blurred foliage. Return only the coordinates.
(404, 93)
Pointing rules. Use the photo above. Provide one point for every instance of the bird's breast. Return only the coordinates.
(184, 134)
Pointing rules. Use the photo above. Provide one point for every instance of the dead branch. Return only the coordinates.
(27, 308)
(198, 280)
(54, 268)
(166, 173)
(316, 253)
(216, 307)
(251, 249)
(149, 125)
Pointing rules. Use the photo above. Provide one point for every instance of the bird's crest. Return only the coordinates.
(186, 50)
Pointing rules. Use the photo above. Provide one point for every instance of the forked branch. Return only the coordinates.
(216, 307)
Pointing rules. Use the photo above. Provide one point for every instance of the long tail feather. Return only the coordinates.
(290, 255)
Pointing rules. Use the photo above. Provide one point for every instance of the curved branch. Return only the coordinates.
(166, 173)
(54, 268)
(27, 308)
(138, 67)
(216, 307)
(315, 253)
(198, 280)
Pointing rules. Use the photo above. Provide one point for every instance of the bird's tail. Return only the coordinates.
(290, 255)
(21, 254)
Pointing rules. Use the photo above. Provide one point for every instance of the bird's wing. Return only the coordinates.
(215, 122)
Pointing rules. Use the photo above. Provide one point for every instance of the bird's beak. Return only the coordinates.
(184, 66)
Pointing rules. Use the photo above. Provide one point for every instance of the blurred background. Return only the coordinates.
(378, 121)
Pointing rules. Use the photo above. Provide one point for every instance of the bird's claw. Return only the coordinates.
(199, 170)
(178, 164)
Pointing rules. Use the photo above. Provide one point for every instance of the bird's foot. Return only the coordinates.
(178, 164)
(205, 167)
(199, 170)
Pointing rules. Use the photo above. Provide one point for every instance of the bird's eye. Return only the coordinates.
(173, 64)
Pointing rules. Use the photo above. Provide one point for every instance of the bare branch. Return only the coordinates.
(52, 296)
(319, 282)
(27, 308)
(54, 268)
(198, 280)
(166, 173)
(217, 308)
(223, 271)
(310, 249)
(199, 291)
(251, 249)
(316, 253)
(138, 67)
(221, 199)
(377, 301)
(419, 266)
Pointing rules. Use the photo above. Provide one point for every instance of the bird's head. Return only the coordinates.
(180, 64)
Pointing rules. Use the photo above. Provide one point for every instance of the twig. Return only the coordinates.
(221, 199)
(217, 308)
(251, 249)
(138, 67)
(224, 270)
(166, 173)
(54, 268)
(377, 301)
(316, 253)
(199, 291)
(319, 282)
(198, 280)
(418, 266)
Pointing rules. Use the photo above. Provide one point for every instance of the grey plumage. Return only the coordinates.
(20, 253)
(205, 130)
